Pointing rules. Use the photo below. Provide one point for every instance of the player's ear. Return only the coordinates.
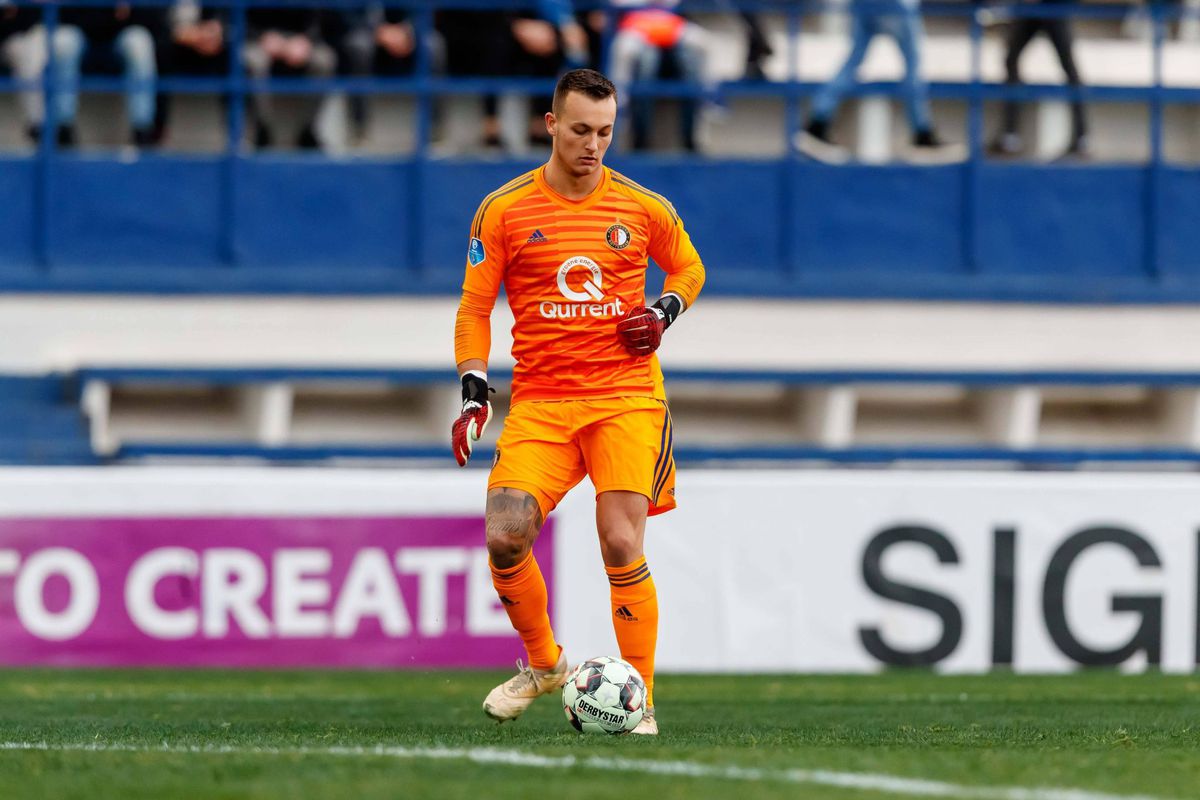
(551, 123)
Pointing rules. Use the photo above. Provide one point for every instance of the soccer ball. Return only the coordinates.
(604, 695)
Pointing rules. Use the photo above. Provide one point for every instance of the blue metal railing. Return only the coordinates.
(413, 376)
(437, 454)
(425, 86)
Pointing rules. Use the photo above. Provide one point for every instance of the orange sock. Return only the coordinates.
(522, 590)
(635, 617)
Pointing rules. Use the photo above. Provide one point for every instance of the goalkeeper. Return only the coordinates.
(570, 242)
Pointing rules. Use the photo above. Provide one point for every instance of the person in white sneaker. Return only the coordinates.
(900, 19)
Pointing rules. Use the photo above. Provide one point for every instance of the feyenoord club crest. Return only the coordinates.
(618, 236)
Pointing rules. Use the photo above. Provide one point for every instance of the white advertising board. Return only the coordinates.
(778, 570)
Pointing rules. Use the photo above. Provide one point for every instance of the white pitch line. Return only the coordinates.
(863, 781)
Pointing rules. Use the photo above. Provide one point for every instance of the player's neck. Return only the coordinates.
(568, 185)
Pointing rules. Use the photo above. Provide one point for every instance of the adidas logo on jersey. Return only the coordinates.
(623, 613)
(537, 237)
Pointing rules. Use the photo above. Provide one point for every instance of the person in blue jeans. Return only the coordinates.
(901, 20)
(111, 39)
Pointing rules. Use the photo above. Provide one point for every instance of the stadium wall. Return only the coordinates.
(783, 228)
(60, 333)
(771, 571)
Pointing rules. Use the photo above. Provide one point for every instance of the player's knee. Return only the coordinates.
(620, 541)
(513, 522)
(620, 546)
(621, 523)
(506, 546)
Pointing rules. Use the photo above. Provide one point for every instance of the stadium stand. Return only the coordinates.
(228, 220)
(265, 378)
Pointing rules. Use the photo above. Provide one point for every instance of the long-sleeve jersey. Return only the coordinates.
(571, 269)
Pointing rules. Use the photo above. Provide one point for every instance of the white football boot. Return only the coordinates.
(510, 699)
(649, 725)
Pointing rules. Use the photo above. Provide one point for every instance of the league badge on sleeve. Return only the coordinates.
(476, 255)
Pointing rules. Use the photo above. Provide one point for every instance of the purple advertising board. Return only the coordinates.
(402, 591)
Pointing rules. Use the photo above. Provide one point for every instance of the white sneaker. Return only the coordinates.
(818, 149)
(648, 726)
(510, 699)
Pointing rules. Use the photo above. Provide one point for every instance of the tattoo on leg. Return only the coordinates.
(511, 511)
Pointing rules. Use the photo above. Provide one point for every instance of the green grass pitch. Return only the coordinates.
(214, 734)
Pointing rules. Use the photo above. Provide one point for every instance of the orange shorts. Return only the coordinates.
(621, 443)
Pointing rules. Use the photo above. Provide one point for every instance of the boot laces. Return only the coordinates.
(524, 678)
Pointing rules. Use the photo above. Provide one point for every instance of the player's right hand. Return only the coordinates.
(472, 422)
(641, 330)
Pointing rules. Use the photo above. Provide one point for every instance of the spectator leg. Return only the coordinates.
(622, 59)
(1019, 36)
(166, 56)
(512, 111)
(435, 43)
(1059, 32)
(691, 54)
(1189, 26)
(135, 46)
(646, 67)
(69, 46)
(757, 47)
(828, 97)
(910, 34)
(632, 58)
(491, 120)
(497, 53)
(25, 54)
(358, 50)
(258, 67)
(327, 127)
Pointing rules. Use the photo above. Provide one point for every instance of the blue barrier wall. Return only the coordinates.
(788, 227)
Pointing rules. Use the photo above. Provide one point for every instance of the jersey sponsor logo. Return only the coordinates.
(537, 237)
(590, 287)
(587, 299)
(476, 255)
(618, 236)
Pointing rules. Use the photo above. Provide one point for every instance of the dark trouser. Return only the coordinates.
(479, 43)
(175, 59)
(361, 57)
(1021, 34)
(757, 46)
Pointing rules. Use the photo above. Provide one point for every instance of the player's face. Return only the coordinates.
(582, 131)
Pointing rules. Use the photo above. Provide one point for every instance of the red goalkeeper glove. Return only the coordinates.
(641, 329)
(472, 422)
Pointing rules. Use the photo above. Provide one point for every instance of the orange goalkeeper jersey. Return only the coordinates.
(571, 269)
